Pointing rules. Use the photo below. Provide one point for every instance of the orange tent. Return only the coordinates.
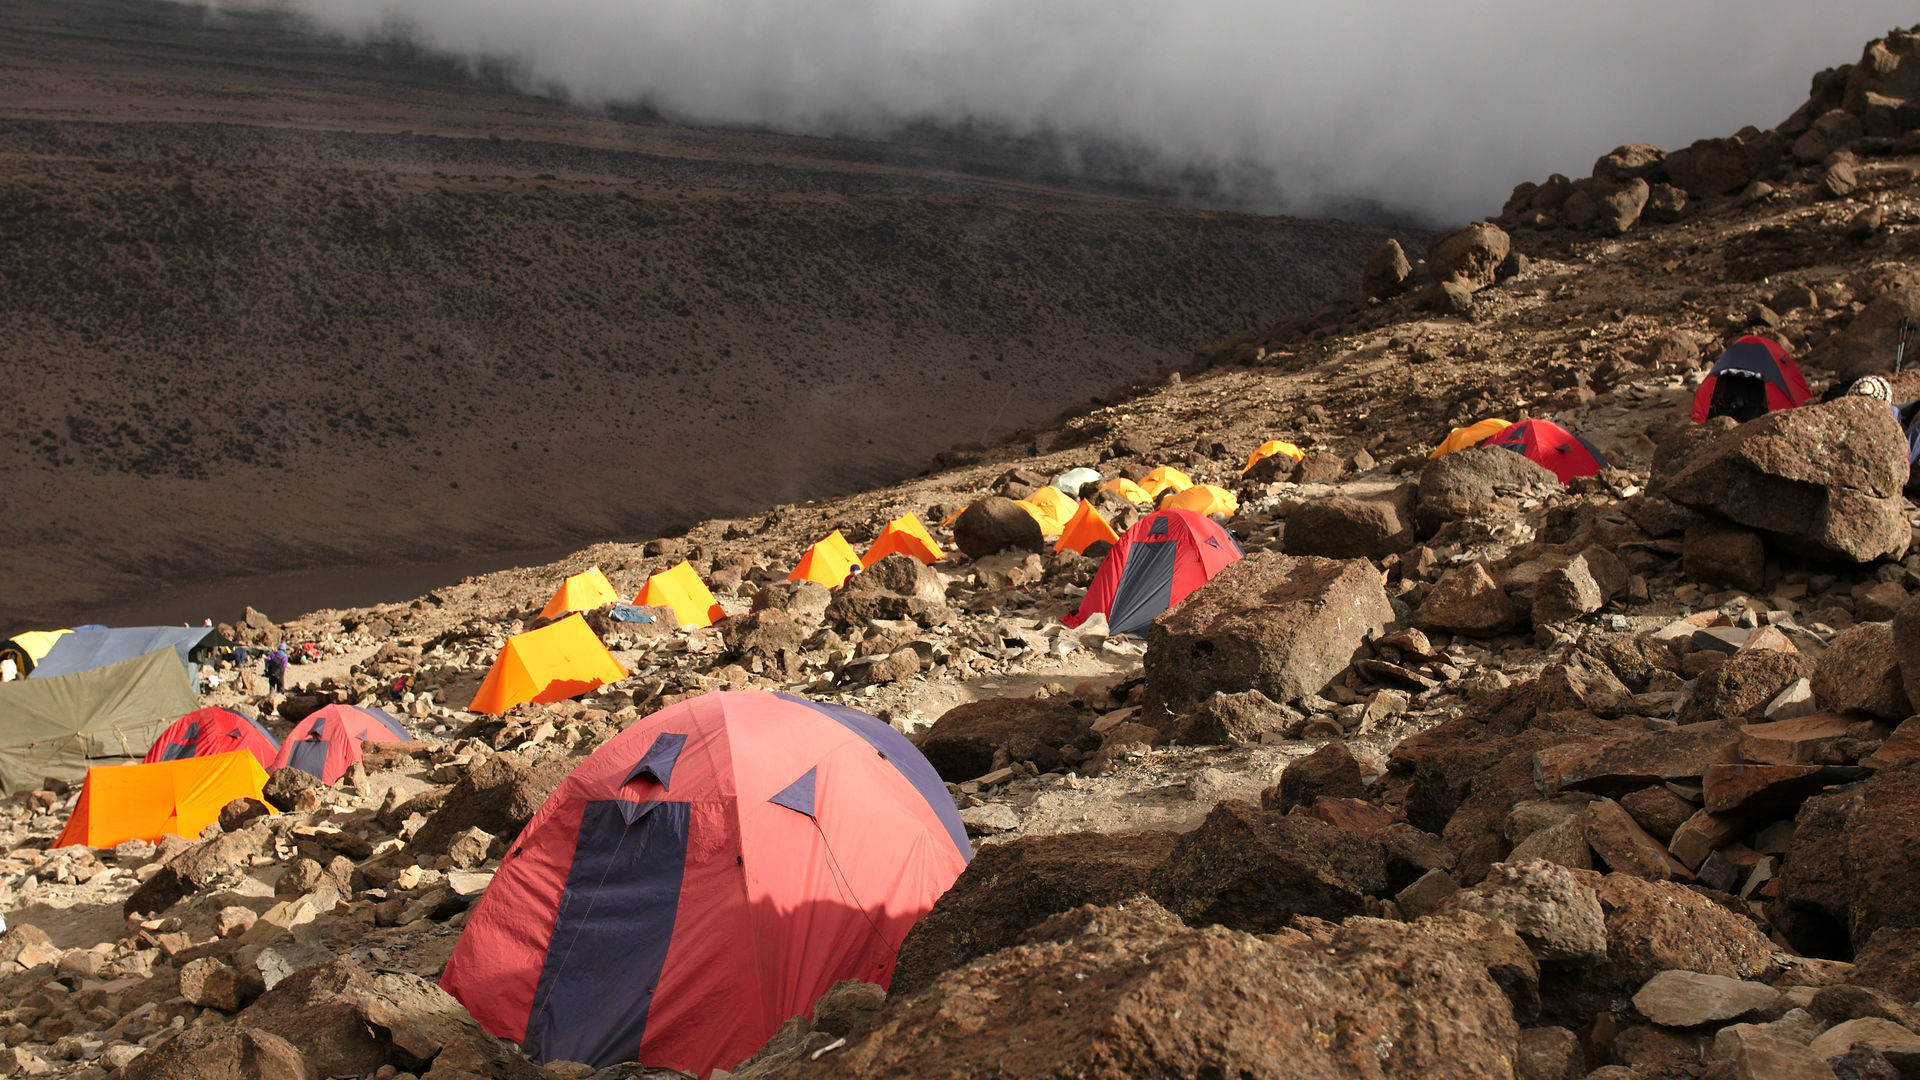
(1472, 435)
(581, 592)
(1271, 447)
(1050, 508)
(1087, 527)
(681, 589)
(828, 562)
(1164, 477)
(146, 802)
(1203, 499)
(558, 661)
(1128, 490)
(903, 535)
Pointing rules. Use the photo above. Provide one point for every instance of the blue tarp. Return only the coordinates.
(84, 650)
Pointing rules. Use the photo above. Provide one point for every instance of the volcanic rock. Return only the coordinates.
(1465, 482)
(1255, 869)
(1689, 998)
(963, 743)
(1341, 527)
(1466, 600)
(1470, 256)
(995, 524)
(1387, 270)
(221, 1052)
(1854, 863)
(1556, 913)
(1860, 671)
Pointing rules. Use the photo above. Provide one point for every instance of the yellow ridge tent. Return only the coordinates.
(1050, 508)
(146, 802)
(1472, 435)
(1128, 490)
(584, 591)
(1164, 477)
(1271, 447)
(1203, 499)
(681, 589)
(558, 661)
(1087, 527)
(828, 562)
(903, 535)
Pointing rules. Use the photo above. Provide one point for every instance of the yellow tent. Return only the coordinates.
(1203, 499)
(828, 562)
(903, 535)
(681, 589)
(29, 647)
(1087, 527)
(1164, 477)
(1271, 447)
(1128, 490)
(558, 661)
(1472, 435)
(146, 802)
(581, 592)
(1050, 508)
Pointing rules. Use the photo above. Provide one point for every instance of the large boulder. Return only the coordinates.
(1868, 344)
(1010, 887)
(1554, 910)
(1710, 166)
(1342, 527)
(1122, 992)
(1467, 600)
(498, 795)
(208, 865)
(1387, 270)
(896, 587)
(221, 1052)
(1821, 480)
(1465, 482)
(1906, 646)
(1860, 672)
(963, 743)
(1471, 256)
(995, 524)
(1283, 625)
(1255, 869)
(1617, 208)
(1854, 865)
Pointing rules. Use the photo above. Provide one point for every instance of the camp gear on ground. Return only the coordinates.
(1087, 527)
(146, 802)
(1473, 434)
(1553, 448)
(1156, 563)
(903, 535)
(58, 726)
(680, 588)
(584, 591)
(210, 731)
(1070, 482)
(704, 876)
(327, 743)
(1204, 499)
(1270, 448)
(1784, 387)
(828, 562)
(558, 661)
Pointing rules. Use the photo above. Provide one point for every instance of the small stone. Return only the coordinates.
(989, 818)
(1689, 998)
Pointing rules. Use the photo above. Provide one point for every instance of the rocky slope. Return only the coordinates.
(1613, 779)
(258, 275)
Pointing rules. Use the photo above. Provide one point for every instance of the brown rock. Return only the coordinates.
(212, 983)
(1701, 835)
(1710, 166)
(1282, 625)
(1890, 962)
(1010, 887)
(1741, 686)
(1471, 255)
(1330, 770)
(498, 795)
(1341, 527)
(1619, 208)
(995, 524)
(1873, 335)
(237, 814)
(1387, 270)
(1658, 810)
(1717, 553)
(1550, 1053)
(1255, 869)
(1466, 600)
(1626, 847)
(1752, 790)
(1687, 999)
(1627, 764)
(963, 743)
(1878, 601)
(221, 1053)
(1815, 739)
(1552, 908)
(1861, 671)
(1495, 947)
(1852, 864)
(1465, 482)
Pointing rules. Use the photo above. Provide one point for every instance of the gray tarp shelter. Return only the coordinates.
(105, 716)
(84, 650)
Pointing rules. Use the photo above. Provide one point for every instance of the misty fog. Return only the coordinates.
(1434, 109)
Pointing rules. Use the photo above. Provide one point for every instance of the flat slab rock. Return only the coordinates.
(1688, 998)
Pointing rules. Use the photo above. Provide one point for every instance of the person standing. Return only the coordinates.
(277, 672)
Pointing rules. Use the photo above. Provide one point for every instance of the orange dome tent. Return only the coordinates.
(1087, 527)
(1164, 477)
(1270, 448)
(828, 562)
(146, 802)
(1203, 499)
(681, 589)
(558, 661)
(581, 592)
(903, 535)
(1050, 508)
(1128, 490)
(1472, 435)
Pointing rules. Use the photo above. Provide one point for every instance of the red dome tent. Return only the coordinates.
(1553, 448)
(213, 730)
(1157, 562)
(702, 878)
(327, 742)
(1752, 358)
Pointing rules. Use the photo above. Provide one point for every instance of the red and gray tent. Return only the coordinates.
(1552, 447)
(702, 878)
(1752, 357)
(214, 730)
(327, 742)
(1157, 562)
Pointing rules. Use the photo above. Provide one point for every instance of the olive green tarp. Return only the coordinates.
(58, 726)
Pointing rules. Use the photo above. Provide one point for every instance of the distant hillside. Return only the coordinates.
(274, 302)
